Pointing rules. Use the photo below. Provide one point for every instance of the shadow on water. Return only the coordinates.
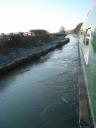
(61, 114)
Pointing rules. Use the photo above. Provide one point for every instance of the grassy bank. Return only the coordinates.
(17, 63)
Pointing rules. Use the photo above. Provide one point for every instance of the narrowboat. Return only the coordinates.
(88, 48)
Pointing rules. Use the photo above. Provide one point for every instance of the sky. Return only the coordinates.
(25, 15)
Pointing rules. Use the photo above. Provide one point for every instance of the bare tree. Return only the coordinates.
(77, 28)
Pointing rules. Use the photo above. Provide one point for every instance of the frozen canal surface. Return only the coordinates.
(43, 94)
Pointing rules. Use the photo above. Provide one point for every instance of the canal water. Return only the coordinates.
(43, 94)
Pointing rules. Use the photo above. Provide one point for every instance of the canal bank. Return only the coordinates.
(9, 62)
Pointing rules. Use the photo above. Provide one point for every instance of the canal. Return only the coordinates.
(43, 94)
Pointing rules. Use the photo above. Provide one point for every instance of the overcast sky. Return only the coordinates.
(23, 15)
